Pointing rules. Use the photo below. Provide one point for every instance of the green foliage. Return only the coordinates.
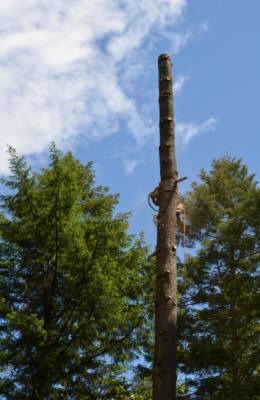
(75, 287)
(220, 328)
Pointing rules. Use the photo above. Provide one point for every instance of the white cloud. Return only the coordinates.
(180, 39)
(62, 63)
(180, 82)
(130, 166)
(185, 132)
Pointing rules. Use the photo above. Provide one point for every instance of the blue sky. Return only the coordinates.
(84, 74)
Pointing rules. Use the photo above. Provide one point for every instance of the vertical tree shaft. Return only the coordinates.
(164, 374)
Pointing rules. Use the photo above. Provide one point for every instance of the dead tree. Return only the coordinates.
(165, 197)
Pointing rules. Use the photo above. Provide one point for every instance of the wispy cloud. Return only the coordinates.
(63, 70)
(185, 132)
(62, 63)
(180, 82)
(180, 39)
(130, 166)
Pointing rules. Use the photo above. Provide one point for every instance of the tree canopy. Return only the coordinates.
(77, 290)
(74, 285)
(219, 331)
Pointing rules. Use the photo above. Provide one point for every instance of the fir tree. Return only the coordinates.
(222, 321)
(74, 285)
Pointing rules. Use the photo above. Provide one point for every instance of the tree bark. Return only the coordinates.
(234, 302)
(165, 362)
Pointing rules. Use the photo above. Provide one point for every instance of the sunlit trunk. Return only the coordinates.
(165, 196)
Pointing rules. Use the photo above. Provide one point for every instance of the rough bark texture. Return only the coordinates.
(164, 374)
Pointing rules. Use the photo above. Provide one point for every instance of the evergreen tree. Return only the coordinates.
(221, 324)
(74, 285)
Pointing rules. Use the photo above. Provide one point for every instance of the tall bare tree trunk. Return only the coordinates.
(165, 196)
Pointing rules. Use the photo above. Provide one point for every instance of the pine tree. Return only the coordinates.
(223, 302)
(74, 285)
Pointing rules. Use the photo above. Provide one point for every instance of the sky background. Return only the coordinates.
(83, 73)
